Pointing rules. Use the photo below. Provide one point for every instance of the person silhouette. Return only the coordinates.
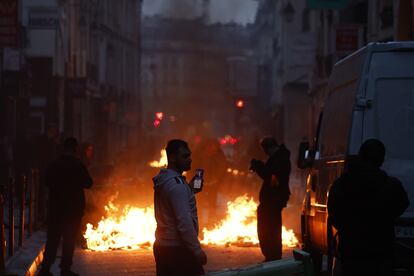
(363, 204)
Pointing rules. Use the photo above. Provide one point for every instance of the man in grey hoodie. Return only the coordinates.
(177, 250)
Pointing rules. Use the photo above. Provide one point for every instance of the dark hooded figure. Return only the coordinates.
(273, 197)
(65, 179)
(363, 204)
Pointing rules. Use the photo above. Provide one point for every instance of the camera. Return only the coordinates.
(255, 165)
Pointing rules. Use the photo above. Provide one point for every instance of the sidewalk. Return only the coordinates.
(26, 259)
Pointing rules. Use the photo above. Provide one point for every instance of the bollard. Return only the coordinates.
(2, 236)
(11, 215)
(30, 203)
(22, 200)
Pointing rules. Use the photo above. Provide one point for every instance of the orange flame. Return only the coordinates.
(240, 226)
(131, 229)
(134, 228)
(162, 162)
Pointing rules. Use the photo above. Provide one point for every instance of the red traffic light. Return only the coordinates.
(239, 103)
(156, 123)
(159, 115)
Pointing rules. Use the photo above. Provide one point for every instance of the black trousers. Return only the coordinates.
(67, 229)
(176, 261)
(367, 267)
(269, 230)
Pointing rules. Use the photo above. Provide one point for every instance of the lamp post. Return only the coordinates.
(288, 12)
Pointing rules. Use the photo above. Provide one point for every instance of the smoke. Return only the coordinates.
(187, 9)
(238, 11)
(219, 11)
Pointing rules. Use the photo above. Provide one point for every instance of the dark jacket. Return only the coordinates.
(66, 178)
(363, 204)
(175, 211)
(275, 173)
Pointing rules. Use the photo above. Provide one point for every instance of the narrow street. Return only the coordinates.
(142, 262)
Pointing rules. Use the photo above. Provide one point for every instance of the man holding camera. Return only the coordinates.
(273, 196)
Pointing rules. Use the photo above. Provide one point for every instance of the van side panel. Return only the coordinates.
(333, 140)
(391, 118)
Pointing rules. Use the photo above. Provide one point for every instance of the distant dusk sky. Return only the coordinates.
(224, 11)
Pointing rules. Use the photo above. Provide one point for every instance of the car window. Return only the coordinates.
(336, 122)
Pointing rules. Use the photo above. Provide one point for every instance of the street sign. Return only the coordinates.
(43, 18)
(326, 4)
(9, 26)
(11, 59)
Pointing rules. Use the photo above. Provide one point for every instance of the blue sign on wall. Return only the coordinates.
(326, 4)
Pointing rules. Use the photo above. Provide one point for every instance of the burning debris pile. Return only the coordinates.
(133, 228)
(130, 229)
(240, 226)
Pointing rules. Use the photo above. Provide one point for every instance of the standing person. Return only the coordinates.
(363, 204)
(211, 158)
(273, 197)
(177, 250)
(65, 179)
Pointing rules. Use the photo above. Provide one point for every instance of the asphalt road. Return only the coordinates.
(142, 262)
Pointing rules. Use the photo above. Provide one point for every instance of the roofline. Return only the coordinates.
(381, 47)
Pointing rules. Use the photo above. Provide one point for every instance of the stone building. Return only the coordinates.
(193, 73)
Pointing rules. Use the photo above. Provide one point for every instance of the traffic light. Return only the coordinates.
(158, 118)
(240, 103)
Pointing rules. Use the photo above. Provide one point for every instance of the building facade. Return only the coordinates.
(297, 45)
(192, 73)
(72, 70)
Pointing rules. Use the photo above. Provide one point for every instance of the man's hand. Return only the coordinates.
(201, 257)
(255, 164)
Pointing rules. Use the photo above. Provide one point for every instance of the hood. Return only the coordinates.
(163, 177)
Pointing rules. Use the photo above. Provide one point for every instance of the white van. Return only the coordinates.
(370, 95)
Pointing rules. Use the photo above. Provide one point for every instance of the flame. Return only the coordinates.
(235, 172)
(134, 228)
(131, 229)
(163, 160)
(240, 226)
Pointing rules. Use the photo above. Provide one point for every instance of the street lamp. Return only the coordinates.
(288, 12)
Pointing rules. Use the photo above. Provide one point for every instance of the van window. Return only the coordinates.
(394, 116)
(336, 122)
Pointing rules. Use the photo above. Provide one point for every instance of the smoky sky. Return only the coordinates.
(223, 11)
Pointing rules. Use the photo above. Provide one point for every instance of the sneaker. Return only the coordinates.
(68, 273)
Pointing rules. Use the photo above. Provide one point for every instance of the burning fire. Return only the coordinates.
(133, 228)
(240, 226)
(163, 160)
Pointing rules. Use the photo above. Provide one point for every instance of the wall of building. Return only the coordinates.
(188, 67)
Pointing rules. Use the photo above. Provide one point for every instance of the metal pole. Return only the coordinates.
(11, 215)
(2, 236)
(35, 198)
(30, 188)
(22, 203)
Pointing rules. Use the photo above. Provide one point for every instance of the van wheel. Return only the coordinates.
(331, 248)
(317, 258)
(316, 254)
